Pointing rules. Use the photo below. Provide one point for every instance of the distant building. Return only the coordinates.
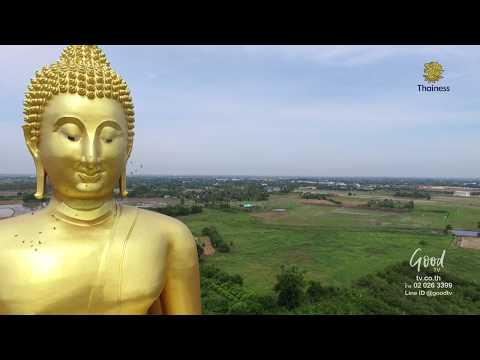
(248, 206)
(466, 233)
(304, 188)
(454, 190)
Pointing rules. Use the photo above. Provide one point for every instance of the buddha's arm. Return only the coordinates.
(181, 294)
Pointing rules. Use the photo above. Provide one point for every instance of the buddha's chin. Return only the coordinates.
(88, 188)
(85, 191)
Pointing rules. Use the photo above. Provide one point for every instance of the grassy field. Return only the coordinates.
(336, 244)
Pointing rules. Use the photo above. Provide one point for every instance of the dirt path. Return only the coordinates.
(469, 243)
(208, 249)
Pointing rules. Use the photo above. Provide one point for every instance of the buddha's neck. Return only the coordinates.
(80, 211)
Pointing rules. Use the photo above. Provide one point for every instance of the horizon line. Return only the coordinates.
(283, 176)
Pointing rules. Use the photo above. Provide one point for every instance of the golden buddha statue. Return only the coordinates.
(85, 253)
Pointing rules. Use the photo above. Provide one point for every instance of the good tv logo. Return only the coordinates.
(432, 73)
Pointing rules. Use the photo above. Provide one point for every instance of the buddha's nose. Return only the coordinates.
(89, 156)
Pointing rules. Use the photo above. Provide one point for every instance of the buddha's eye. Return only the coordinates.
(109, 134)
(71, 132)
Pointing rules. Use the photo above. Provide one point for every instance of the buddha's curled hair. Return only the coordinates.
(83, 70)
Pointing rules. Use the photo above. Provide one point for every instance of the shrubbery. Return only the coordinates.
(199, 251)
(389, 204)
(224, 294)
(290, 285)
(448, 228)
(178, 210)
(383, 293)
(216, 239)
(413, 194)
(317, 291)
(313, 196)
(379, 293)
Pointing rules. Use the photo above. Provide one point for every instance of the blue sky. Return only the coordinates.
(278, 110)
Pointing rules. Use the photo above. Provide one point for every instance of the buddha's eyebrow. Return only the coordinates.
(110, 123)
(67, 119)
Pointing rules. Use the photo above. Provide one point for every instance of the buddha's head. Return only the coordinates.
(79, 125)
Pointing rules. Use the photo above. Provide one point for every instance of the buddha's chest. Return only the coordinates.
(94, 273)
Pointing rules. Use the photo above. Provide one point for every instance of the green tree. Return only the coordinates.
(236, 279)
(290, 287)
(315, 291)
(199, 251)
(216, 239)
(447, 228)
(267, 302)
(223, 247)
(196, 209)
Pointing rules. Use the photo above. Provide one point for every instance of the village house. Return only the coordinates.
(462, 193)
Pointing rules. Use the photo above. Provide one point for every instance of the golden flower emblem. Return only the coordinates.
(432, 72)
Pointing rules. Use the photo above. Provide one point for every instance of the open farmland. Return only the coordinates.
(337, 244)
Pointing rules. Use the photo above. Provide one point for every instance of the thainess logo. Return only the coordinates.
(433, 72)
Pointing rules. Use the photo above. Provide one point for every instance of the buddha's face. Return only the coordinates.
(83, 145)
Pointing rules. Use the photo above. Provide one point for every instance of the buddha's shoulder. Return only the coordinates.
(8, 227)
(161, 225)
(16, 229)
(18, 223)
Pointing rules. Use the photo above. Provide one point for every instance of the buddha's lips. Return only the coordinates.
(90, 178)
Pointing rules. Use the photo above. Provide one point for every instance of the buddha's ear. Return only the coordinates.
(122, 183)
(32, 146)
(41, 173)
